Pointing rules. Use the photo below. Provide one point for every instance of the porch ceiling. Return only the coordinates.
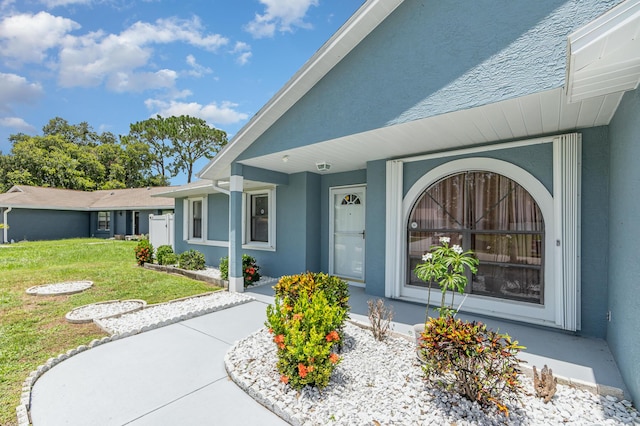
(534, 115)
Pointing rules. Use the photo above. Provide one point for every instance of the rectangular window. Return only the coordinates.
(259, 219)
(104, 221)
(196, 219)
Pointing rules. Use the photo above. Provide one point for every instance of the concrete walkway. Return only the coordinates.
(175, 375)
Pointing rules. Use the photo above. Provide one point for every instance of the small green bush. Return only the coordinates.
(249, 269)
(166, 256)
(306, 335)
(470, 359)
(192, 260)
(335, 289)
(144, 252)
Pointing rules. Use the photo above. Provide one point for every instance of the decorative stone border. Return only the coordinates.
(194, 275)
(103, 310)
(58, 289)
(23, 409)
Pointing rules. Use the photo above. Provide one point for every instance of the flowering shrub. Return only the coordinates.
(305, 333)
(249, 269)
(165, 255)
(467, 358)
(446, 266)
(144, 252)
(192, 260)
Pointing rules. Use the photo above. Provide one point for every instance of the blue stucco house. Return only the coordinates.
(38, 213)
(511, 127)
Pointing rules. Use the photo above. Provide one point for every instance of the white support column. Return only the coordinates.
(394, 230)
(567, 165)
(236, 279)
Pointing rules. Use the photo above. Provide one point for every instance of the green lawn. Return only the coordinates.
(33, 328)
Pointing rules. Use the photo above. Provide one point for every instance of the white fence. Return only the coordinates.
(161, 230)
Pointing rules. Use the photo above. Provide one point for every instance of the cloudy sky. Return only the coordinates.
(114, 62)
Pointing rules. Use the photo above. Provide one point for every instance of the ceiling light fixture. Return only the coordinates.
(323, 166)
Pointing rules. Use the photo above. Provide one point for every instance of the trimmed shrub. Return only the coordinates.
(144, 252)
(306, 335)
(470, 359)
(192, 260)
(166, 256)
(335, 289)
(249, 269)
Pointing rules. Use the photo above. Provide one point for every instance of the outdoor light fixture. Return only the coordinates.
(323, 166)
(285, 158)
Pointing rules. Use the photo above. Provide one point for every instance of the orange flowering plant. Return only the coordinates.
(305, 331)
(144, 252)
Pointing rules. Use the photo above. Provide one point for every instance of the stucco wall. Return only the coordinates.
(624, 241)
(34, 225)
(428, 58)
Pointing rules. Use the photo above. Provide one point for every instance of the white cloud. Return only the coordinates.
(244, 52)
(196, 70)
(54, 3)
(139, 82)
(281, 15)
(26, 38)
(225, 113)
(16, 89)
(17, 123)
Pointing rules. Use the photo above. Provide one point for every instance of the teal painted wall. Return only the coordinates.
(428, 58)
(35, 225)
(218, 217)
(376, 227)
(623, 332)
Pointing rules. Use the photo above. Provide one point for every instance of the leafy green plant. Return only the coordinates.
(448, 267)
(335, 289)
(144, 252)
(192, 260)
(466, 357)
(306, 335)
(166, 256)
(249, 269)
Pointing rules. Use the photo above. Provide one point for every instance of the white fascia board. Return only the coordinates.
(361, 24)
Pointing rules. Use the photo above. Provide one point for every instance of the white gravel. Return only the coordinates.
(382, 384)
(167, 313)
(59, 288)
(88, 313)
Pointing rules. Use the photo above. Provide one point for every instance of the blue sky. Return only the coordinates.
(114, 62)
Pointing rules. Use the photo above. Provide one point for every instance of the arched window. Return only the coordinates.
(496, 218)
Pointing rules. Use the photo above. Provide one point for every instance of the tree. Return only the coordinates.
(176, 143)
(75, 157)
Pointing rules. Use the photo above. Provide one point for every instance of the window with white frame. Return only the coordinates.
(194, 216)
(260, 218)
(104, 221)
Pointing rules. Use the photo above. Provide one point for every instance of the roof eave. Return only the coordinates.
(361, 23)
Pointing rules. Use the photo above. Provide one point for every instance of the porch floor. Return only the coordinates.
(580, 361)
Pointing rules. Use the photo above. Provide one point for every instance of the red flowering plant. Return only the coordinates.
(249, 269)
(144, 252)
(306, 337)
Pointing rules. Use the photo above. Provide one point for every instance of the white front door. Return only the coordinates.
(347, 233)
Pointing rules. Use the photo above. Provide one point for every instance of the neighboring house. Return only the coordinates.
(511, 127)
(37, 213)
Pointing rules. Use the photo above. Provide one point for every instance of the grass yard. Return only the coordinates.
(33, 328)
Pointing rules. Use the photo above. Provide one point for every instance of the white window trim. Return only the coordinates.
(108, 228)
(187, 224)
(270, 245)
(546, 314)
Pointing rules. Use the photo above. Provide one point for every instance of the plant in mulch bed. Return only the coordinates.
(166, 256)
(249, 269)
(306, 334)
(476, 362)
(144, 252)
(192, 260)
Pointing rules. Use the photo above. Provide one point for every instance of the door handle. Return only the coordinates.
(363, 234)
